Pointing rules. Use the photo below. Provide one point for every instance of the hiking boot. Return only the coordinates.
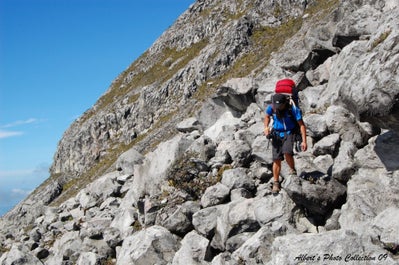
(293, 173)
(276, 187)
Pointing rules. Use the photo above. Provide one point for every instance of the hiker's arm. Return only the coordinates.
(266, 122)
(302, 128)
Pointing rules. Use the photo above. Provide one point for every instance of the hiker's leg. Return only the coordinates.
(288, 151)
(278, 156)
(276, 169)
(290, 161)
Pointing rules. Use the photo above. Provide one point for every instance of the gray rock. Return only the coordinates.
(294, 249)
(332, 222)
(112, 236)
(127, 161)
(123, 220)
(324, 163)
(319, 198)
(261, 150)
(149, 175)
(344, 61)
(381, 152)
(316, 125)
(258, 247)
(327, 145)
(154, 245)
(273, 208)
(240, 193)
(194, 250)
(89, 258)
(214, 195)
(19, 255)
(365, 85)
(188, 125)
(344, 165)
(385, 228)
(237, 93)
(98, 246)
(224, 125)
(205, 220)
(95, 227)
(178, 222)
(35, 235)
(204, 147)
(370, 191)
(321, 74)
(234, 242)
(237, 178)
(315, 100)
(69, 245)
(342, 121)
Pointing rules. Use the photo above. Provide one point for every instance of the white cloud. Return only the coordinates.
(20, 193)
(17, 123)
(15, 173)
(40, 171)
(7, 134)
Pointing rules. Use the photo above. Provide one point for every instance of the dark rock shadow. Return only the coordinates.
(387, 150)
(314, 176)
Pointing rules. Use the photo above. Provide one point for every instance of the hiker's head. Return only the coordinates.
(279, 101)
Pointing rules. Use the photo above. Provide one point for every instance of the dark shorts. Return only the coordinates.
(281, 146)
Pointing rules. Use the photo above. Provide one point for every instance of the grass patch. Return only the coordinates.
(265, 40)
(73, 186)
(162, 66)
(380, 39)
(186, 174)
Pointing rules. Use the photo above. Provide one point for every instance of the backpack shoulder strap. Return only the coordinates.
(292, 115)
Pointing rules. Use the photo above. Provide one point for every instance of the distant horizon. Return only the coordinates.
(56, 60)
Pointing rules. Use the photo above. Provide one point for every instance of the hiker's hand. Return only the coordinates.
(304, 146)
(266, 131)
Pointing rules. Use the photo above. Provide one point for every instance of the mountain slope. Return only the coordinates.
(175, 146)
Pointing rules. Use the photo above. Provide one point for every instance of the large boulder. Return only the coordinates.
(370, 191)
(128, 160)
(316, 248)
(154, 245)
(319, 198)
(149, 176)
(19, 255)
(194, 250)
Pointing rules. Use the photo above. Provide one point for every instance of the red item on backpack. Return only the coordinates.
(285, 86)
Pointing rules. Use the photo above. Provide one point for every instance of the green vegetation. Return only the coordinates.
(265, 41)
(380, 39)
(137, 226)
(73, 186)
(4, 250)
(320, 9)
(165, 66)
(162, 66)
(185, 175)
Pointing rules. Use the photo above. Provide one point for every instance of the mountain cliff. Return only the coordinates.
(170, 166)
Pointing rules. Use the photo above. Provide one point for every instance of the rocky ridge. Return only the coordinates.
(201, 195)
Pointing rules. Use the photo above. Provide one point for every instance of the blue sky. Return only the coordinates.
(57, 57)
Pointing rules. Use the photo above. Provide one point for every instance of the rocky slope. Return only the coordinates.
(170, 165)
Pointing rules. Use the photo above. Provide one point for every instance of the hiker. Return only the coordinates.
(286, 119)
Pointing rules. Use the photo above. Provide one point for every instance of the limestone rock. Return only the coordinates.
(154, 245)
(171, 165)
